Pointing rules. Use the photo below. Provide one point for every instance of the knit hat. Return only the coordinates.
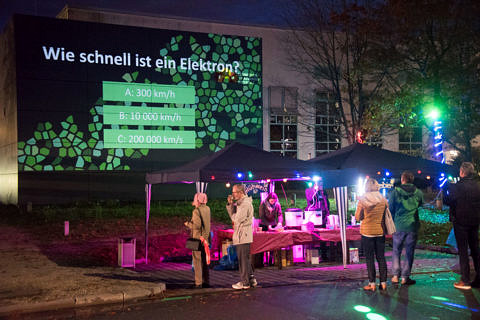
(200, 198)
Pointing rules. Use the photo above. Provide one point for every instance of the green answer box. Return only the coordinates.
(143, 92)
(149, 116)
(148, 139)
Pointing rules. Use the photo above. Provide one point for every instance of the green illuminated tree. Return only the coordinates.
(431, 48)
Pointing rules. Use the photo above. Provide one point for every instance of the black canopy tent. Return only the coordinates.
(226, 164)
(232, 164)
(368, 160)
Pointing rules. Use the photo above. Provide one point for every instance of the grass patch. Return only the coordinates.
(434, 233)
(434, 230)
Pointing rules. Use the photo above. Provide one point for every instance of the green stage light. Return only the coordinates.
(433, 114)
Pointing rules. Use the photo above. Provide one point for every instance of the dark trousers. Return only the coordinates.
(244, 263)
(375, 247)
(467, 236)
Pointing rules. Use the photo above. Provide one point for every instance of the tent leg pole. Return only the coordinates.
(148, 194)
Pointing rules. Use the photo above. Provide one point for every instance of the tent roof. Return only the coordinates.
(226, 163)
(369, 160)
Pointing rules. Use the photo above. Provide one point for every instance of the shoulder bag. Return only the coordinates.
(388, 221)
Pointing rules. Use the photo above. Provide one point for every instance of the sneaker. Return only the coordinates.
(253, 282)
(408, 281)
(462, 285)
(395, 279)
(370, 287)
(240, 285)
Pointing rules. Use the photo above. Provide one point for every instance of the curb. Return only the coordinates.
(80, 301)
(442, 249)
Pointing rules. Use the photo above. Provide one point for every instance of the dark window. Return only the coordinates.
(327, 125)
(410, 140)
(283, 134)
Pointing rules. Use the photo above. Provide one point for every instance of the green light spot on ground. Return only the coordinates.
(439, 298)
(375, 316)
(360, 308)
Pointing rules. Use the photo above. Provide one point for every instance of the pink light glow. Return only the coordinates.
(297, 253)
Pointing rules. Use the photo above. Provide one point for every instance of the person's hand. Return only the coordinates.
(186, 223)
(229, 199)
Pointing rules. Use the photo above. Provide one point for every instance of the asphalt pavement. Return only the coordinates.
(31, 282)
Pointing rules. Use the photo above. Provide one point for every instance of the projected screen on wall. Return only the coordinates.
(107, 97)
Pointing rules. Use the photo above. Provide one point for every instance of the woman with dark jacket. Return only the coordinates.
(370, 211)
(270, 212)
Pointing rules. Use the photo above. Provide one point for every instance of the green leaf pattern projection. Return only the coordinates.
(65, 147)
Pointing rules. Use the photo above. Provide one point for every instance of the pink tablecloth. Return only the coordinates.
(266, 241)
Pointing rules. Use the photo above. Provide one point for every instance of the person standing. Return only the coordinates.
(240, 210)
(464, 201)
(270, 212)
(404, 202)
(370, 211)
(200, 227)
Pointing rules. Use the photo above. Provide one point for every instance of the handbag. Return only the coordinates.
(388, 221)
(192, 243)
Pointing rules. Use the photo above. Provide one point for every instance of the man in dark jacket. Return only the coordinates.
(403, 204)
(464, 201)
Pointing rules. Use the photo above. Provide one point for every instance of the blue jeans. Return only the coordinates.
(401, 239)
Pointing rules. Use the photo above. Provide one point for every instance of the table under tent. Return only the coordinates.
(233, 165)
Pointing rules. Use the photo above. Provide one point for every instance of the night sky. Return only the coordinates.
(251, 12)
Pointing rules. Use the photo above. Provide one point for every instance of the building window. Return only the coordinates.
(374, 141)
(410, 140)
(283, 134)
(327, 126)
